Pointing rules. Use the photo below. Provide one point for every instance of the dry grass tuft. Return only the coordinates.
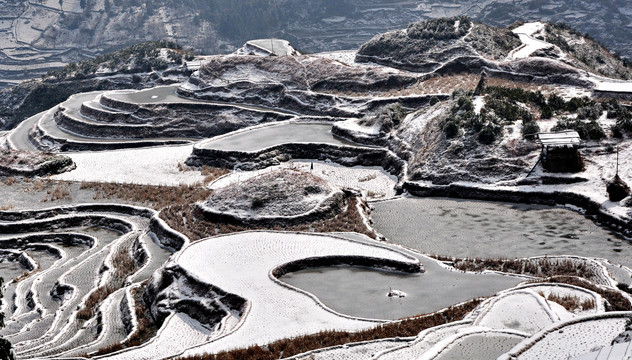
(92, 302)
(570, 302)
(184, 219)
(156, 196)
(59, 192)
(293, 346)
(615, 299)
(145, 330)
(367, 178)
(8, 181)
(212, 173)
(37, 185)
(209, 173)
(124, 265)
(540, 267)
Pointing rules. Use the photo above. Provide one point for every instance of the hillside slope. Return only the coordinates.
(38, 35)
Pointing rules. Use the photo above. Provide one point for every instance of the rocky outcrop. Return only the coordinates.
(35, 165)
(171, 289)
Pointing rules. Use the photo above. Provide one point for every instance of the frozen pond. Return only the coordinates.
(363, 292)
(468, 228)
(268, 136)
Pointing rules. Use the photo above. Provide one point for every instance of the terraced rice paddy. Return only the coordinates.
(364, 292)
(505, 230)
(269, 136)
(73, 263)
(116, 282)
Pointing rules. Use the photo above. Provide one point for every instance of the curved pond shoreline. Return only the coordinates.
(362, 290)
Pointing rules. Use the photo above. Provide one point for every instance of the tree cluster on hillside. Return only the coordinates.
(485, 126)
(507, 105)
(143, 57)
(440, 28)
(587, 130)
(388, 118)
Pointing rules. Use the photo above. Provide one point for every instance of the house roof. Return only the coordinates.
(559, 138)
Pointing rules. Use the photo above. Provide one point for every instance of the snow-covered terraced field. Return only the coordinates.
(73, 248)
(67, 294)
(573, 338)
(275, 310)
(276, 134)
(151, 166)
(373, 182)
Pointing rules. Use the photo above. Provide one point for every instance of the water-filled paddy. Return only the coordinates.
(269, 136)
(362, 292)
(468, 228)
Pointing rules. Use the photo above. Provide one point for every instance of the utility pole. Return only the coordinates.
(617, 169)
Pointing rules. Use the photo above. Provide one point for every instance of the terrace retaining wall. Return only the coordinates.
(357, 261)
(344, 155)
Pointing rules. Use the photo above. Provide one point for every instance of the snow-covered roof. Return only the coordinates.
(560, 138)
